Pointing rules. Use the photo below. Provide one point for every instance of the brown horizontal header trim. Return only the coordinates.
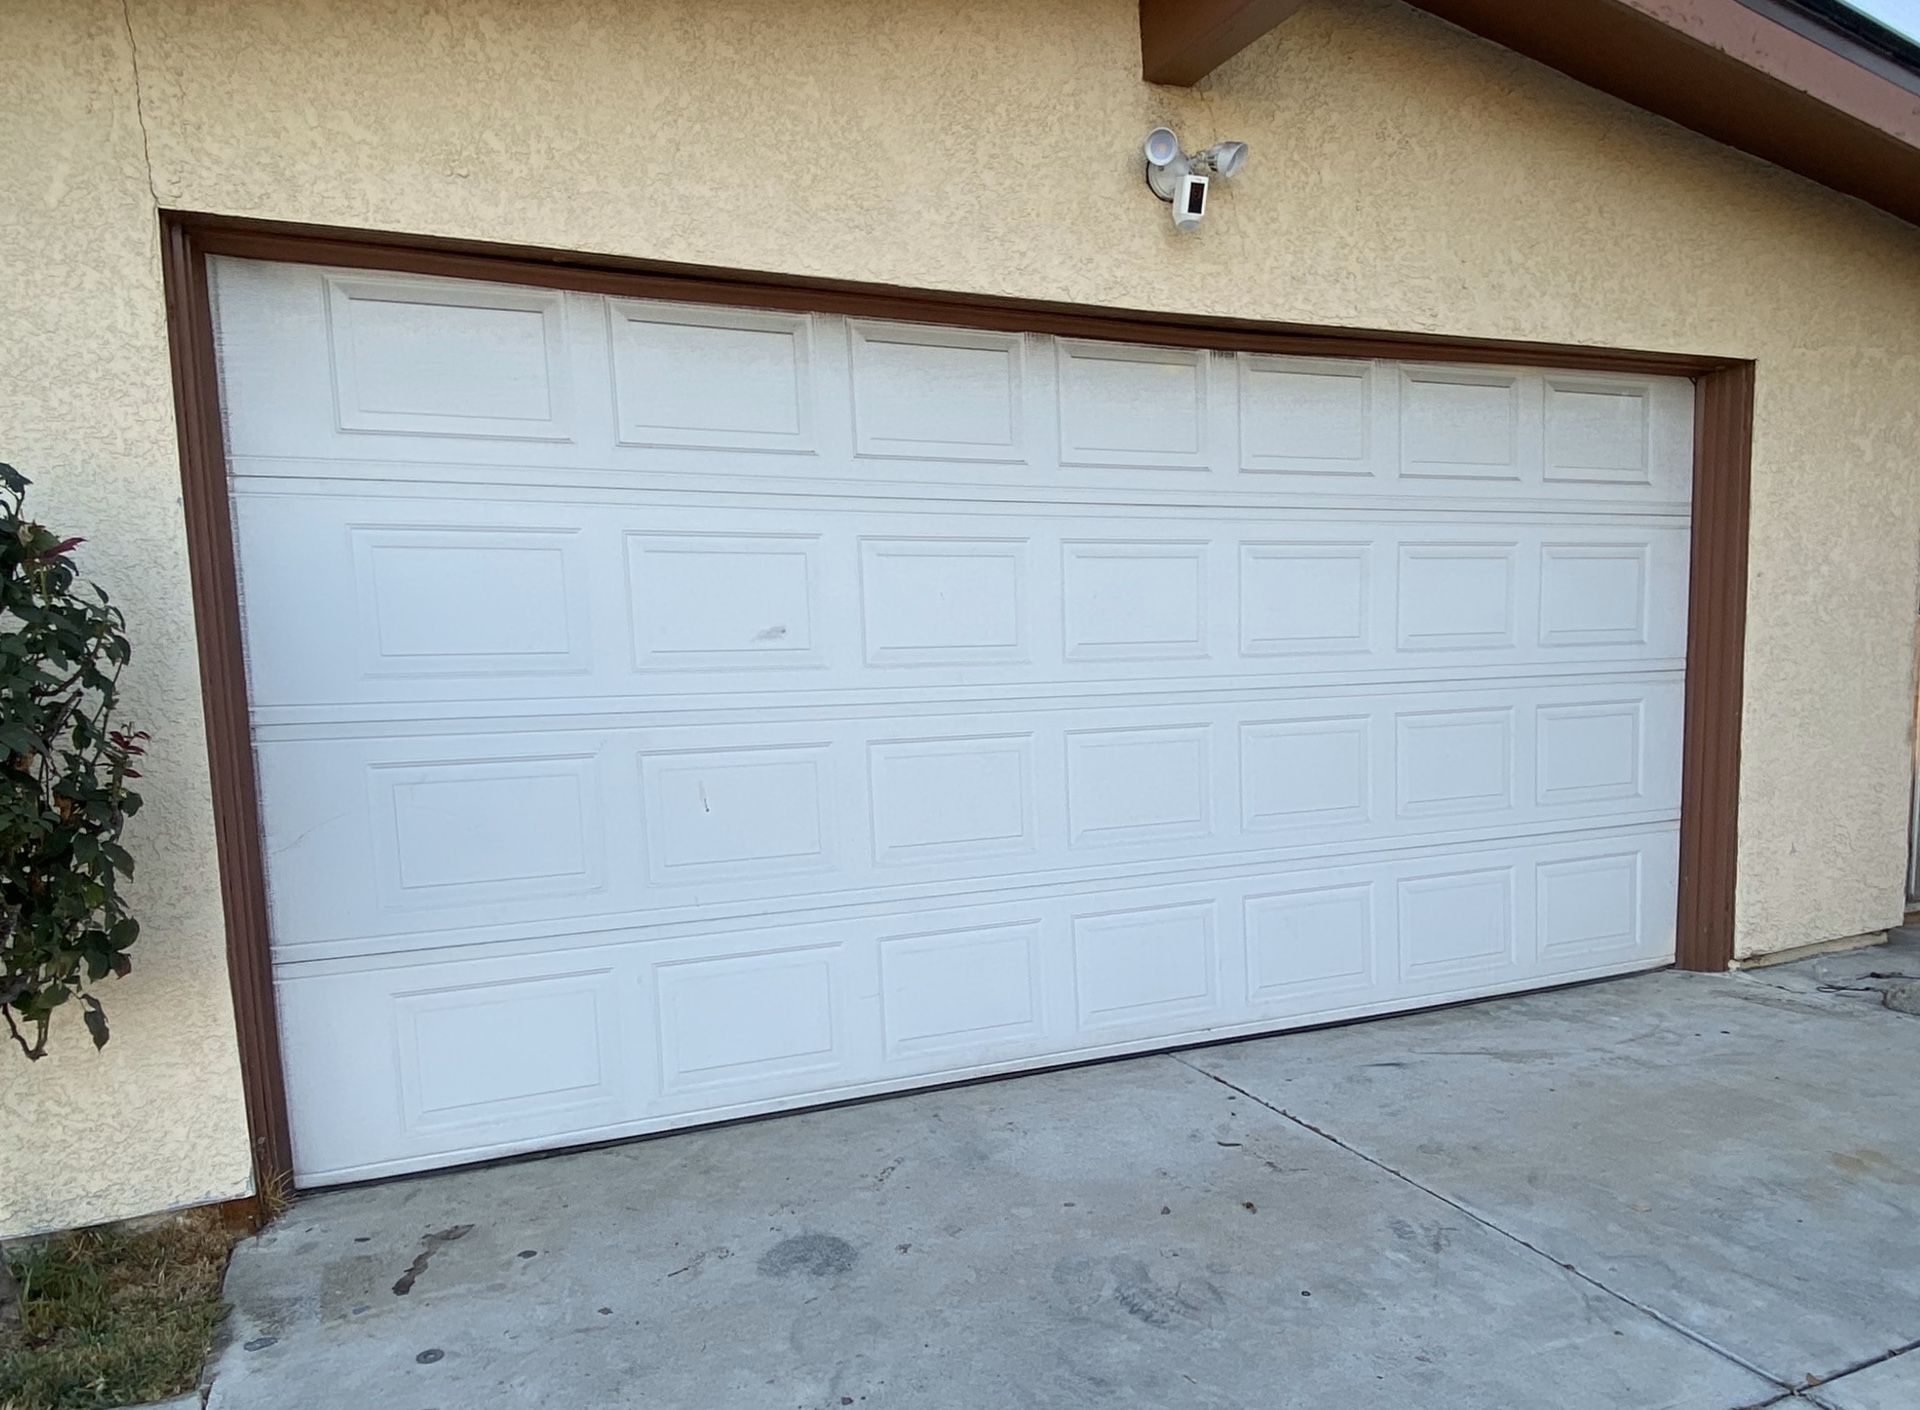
(631, 278)
(1730, 73)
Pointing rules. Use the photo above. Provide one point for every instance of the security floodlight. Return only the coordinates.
(1181, 178)
(1226, 158)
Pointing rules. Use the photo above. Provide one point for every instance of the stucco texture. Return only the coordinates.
(1404, 175)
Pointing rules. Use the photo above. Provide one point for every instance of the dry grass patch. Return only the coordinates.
(114, 1316)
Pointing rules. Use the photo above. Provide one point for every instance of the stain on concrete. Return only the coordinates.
(430, 1244)
(1516, 1056)
(1774, 999)
(1129, 1284)
(699, 1260)
(348, 1281)
(1869, 1162)
(1435, 1238)
(811, 1255)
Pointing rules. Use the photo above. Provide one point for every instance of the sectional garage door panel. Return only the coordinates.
(406, 1062)
(339, 375)
(664, 712)
(605, 605)
(385, 843)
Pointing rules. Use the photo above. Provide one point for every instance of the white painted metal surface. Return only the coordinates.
(665, 713)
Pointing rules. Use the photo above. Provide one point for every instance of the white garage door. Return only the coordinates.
(668, 712)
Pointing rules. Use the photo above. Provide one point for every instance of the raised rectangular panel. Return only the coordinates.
(1457, 424)
(449, 359)
(763, 1017)
(1587, 907)
(943, 602)
(1132, 406)
(1454, 761)
(736, 813)
(716, 602)
(1144, 965)
(1311, 941)
(477, 831)
(1598, 432)
(1134, 600)
(1456, 596)
(938, 799)
(724, 378)
(1588, 753)
(1304, 597)
(1305, 773)
(938, 393)
(506, 1050)
(960, 989)
(1137, 785)
(1305, 416)
(1593, 594)
(469, 601)
(1456, 923)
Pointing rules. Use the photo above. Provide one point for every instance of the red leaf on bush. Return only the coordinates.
(63, 547)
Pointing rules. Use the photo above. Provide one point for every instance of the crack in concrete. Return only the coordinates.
(1698, 1338)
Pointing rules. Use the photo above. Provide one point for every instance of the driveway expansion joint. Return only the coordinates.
(1679, 1327)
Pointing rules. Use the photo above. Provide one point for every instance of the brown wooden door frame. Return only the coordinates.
(1717, 592)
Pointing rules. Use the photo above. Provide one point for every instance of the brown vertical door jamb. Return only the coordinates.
(1716, 663)
(223, 690)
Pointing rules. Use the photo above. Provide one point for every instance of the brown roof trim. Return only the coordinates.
(1182, 41)
(1730, 73)
(1766, 76)
(1848, 32)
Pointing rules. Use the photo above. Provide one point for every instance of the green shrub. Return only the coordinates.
(65, 763)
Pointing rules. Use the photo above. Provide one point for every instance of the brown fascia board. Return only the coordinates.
(1765, 76)
(1730, 73)
(1182, 41)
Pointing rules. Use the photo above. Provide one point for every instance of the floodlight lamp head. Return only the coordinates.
(1166, 163)
(1161, 146)
(1226, 159)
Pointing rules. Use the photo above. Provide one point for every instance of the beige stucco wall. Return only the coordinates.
(1404, 176)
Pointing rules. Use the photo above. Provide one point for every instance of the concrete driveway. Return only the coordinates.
(1668, 1190)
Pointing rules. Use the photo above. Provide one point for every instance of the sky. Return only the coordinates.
(1903, 15)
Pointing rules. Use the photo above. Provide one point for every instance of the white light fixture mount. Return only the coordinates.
(1182, 178)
